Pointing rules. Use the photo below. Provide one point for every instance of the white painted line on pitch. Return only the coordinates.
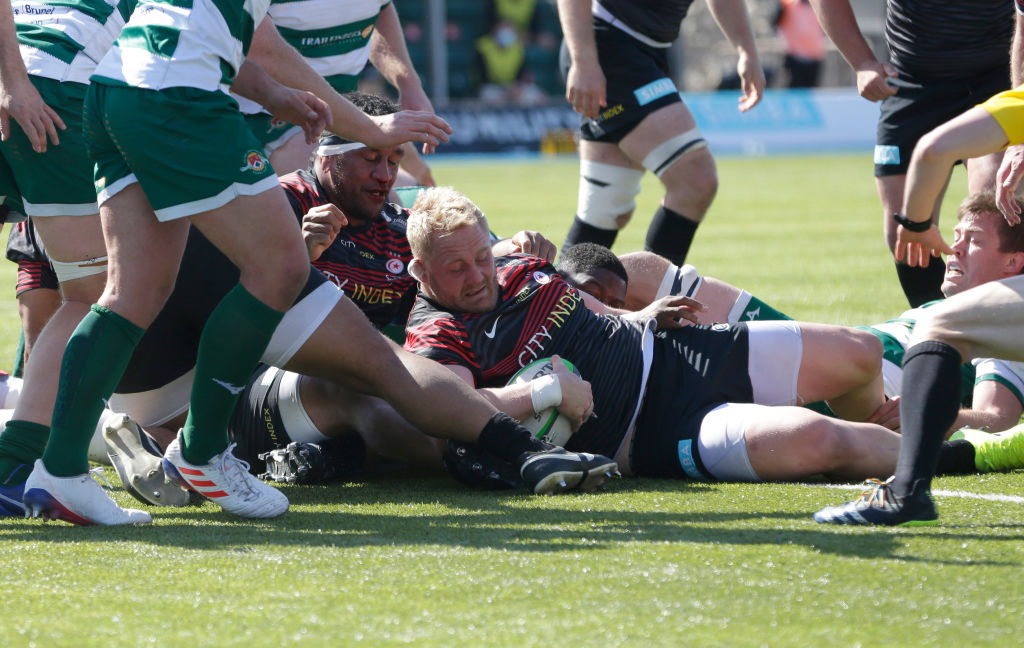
(989, 497)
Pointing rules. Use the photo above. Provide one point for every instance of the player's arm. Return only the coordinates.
(390, 56)
(670, 311)
(733, 20)
(567, 392)
(1011, 168)
(838, 21)
(295, 106)
(585, 84)
(19, 99)
(994, 407)
(284, 63)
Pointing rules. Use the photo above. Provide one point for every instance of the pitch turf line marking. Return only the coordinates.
(989, 497)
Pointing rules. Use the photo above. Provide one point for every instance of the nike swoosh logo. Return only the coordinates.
(228, 386)
(494, 328)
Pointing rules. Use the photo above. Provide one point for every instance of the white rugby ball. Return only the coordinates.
(549, 425)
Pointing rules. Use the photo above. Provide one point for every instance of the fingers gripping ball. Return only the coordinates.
(549, 424)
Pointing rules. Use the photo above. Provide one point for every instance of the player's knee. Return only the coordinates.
(695, 186)
(865, 353)
(823, 448)
(607, 195)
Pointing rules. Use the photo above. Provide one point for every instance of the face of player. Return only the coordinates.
(359, 181)
(607, 287)
(460, 274)
(976, 258)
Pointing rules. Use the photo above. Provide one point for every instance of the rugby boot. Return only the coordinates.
(556, 470)
(473, 466)
(141, 470)
(226, 482)
(315, 463)
(880, 507)
(78, 500)
(995, 451)
(11, 500)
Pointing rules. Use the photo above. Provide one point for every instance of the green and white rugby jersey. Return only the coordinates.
(182, 44)
(332, 35)
(895, 336)
(63, 40)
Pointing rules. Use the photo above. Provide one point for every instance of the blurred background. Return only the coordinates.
(491, 67)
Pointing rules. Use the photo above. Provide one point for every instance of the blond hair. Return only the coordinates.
(437, 212)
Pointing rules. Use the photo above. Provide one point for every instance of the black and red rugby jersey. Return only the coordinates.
(369, 262)
(539, 315)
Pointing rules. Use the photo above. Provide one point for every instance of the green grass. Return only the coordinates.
(407, 559)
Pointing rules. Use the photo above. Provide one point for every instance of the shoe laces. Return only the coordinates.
(98, 472)
(236, 471)
(876, 494)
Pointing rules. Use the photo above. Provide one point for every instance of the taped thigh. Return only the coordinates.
(668, 152)
(678, 280)
(606, 192)
(70, 270)
(722, 443)
(300, 322)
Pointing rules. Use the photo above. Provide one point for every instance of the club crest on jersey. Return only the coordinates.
(395, 266)
(277, 124)
(541, 277)
(254, 161)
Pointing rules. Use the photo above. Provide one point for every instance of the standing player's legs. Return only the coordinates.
(66, 219)
(668, 144)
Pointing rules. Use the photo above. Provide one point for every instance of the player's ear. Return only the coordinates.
(416, 270)
(1014, 264)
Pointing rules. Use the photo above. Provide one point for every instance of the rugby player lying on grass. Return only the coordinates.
(703, 402)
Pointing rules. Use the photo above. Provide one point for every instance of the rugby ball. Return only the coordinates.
(549, 425)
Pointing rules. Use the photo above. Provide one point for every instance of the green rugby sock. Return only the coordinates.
(21, 443)
(232, 343)
(756, 309)
(94, 360)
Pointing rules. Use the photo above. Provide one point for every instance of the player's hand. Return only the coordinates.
(301, 108)
(916, 248)
(671, 311)
(871, 80)
(752, 81)
(1011, 169)
(887, 415)
(409, 126)
(320, 226)
(530, 242)
(577, 397)
(21, 101)
(585, 89)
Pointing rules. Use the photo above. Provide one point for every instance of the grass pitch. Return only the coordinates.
(414, 559)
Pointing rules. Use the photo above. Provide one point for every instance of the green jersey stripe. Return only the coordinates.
(98, 10)
(330, 41)
(157, 39)
(238, 20)
(53, 42)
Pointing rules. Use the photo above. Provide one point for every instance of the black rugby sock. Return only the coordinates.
(928, 406)
(670, 235)
(922, 285)
(581, 232)
(506, 439)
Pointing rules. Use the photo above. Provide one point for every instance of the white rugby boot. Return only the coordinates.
(78, 500)
(226, 482)
(141, 471)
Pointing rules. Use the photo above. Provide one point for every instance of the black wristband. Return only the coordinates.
(912, 226)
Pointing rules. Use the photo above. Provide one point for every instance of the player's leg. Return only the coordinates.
(668, 143)
(794, 363)
(347, 350)
(652, 276)
(982, 322)
(609, 183)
